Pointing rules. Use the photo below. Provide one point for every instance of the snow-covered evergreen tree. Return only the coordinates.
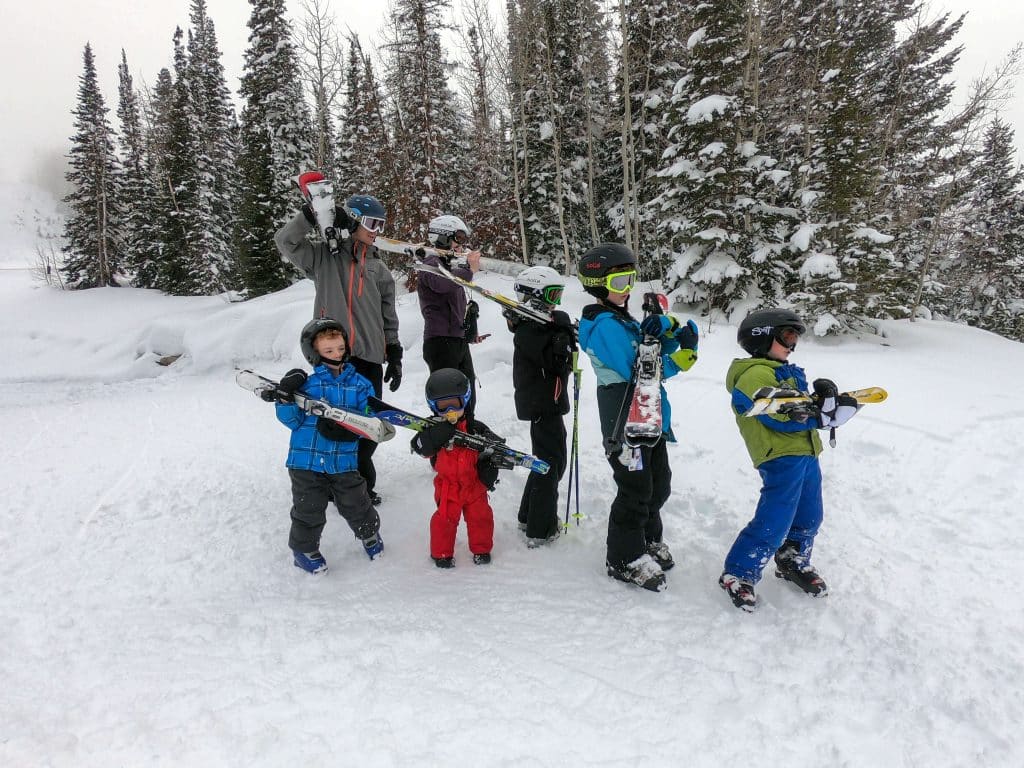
(93, 239)
(135, 190)
(988, 277)
(275, 146)
(424, 116)
(214, 165)
(704, 166)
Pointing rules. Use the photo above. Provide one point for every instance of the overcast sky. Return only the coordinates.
(41, 59)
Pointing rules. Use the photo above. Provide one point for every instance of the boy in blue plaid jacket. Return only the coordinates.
(322, 455)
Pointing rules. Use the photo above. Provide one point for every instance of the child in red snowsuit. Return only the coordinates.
(463, 475)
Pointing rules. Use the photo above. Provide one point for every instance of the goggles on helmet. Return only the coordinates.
(553, 294)
(447, 404)
(787, 336)
(372, 223)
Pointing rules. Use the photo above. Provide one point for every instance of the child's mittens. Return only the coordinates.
(487, 471)
(290, 383)
(332, 430)
(432, 439)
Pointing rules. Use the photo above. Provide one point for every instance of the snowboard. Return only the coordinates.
(369, 427)
(780, 400)
(504, 457)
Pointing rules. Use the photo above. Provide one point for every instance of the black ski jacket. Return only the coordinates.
(541, 364)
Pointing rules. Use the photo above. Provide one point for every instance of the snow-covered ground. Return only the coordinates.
(150, 614)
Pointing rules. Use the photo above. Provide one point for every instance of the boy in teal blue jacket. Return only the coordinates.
(610, 337)
(322, 455)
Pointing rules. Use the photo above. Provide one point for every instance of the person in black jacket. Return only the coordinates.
(541, 364)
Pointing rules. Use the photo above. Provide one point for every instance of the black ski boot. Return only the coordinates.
(644, 572)
(740, 591)
(444, 562)
(484, 558)
(791, 567)
(659, 551)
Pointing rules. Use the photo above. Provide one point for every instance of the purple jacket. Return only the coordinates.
(442, 302)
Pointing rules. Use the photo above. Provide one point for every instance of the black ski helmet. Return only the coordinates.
(602, 260)
(309, 332)
(447, 382)
(762, 326)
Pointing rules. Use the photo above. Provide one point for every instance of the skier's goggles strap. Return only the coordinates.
(553, 294)
(620, 282)
(372, 223)
(446, 404)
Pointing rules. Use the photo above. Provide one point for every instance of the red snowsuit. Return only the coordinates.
(458, 491)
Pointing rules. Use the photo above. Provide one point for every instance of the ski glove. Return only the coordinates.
(393, 372)
(290, 383)
(687, 335)
(332, 430)
(471, 325)
(432, 439)
(838, 410)
(659, 326)
(487, 471)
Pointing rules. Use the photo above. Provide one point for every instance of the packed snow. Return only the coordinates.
(151, 616)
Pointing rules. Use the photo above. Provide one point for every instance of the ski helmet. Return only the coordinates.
(762, 326)
(309, 334)
(601, 261)
(447, 390)
(443, 230)
(366, 210)
(540, 286)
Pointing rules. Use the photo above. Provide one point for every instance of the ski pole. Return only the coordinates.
(574, 457)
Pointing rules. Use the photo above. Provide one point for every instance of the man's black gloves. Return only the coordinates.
(393, 372)
(287, 387)
(343, 221)
(471, 323)
(332, 430)
(432, 439)
(487, 471)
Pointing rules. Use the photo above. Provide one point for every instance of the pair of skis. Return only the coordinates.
(380, 426)
(768, 400)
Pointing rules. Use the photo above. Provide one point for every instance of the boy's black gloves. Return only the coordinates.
(432, 439)
(487, 471)
(393, 372)
(332, 430)
(290, 383)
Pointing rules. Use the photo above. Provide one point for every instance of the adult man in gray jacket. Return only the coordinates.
(357, 289)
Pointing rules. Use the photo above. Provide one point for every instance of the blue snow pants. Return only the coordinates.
(789, 510)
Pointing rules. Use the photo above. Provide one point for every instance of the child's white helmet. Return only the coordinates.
(443, 229)
(542, 286)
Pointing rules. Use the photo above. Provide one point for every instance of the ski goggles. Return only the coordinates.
(448, 403)
(787, 336)
(618, 282)
(372, 223)
(553, 294)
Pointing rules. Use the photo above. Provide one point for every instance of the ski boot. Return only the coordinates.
(311, 562)
(644, 572)
(540, 541)
(444, 562)
(375, 498)
(484, 558)
(373, 546)
(659, 551)
(790, 566)
(740, 591)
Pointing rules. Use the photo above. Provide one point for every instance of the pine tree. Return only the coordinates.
(988, 278)
(704, 166)
(275, 146)
(135, 190)
(93, 249)
(424, 116)
(212, 117)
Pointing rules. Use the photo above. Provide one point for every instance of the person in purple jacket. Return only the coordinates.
(447, 331)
